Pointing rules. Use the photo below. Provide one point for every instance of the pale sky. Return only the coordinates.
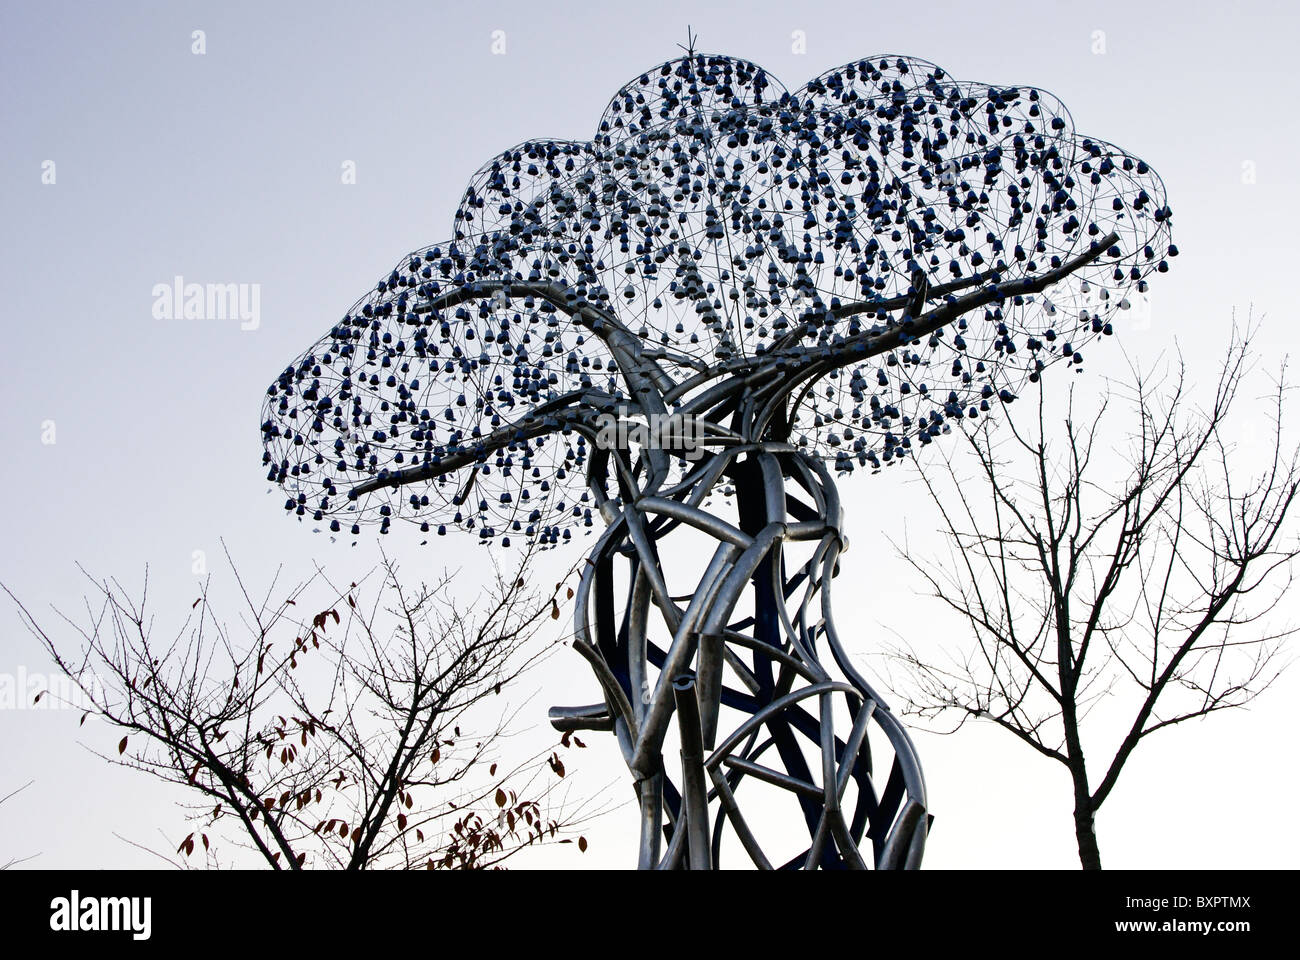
(228, 167)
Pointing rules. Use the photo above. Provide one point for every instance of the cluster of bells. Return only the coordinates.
(724, 222)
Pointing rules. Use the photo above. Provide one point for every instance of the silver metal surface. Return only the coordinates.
(722, 672)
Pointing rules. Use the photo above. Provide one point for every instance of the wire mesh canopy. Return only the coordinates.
(899, 243)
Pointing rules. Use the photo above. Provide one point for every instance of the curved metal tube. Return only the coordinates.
(774, 656)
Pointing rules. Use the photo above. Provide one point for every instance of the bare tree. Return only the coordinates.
(336, 740)
(1110, 603)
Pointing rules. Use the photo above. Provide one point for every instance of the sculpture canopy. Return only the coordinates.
(887, 249)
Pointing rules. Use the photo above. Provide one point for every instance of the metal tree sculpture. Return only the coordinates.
(809, 282)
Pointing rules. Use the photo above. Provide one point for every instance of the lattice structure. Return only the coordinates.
(813, 282)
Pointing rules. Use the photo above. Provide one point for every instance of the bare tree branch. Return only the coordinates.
(1147, 594)
(348, 738)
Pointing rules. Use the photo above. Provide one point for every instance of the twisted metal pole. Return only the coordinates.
(777, 674)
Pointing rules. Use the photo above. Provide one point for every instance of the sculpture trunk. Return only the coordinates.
(753, 670)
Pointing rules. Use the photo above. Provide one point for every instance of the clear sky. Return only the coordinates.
(129, 159)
